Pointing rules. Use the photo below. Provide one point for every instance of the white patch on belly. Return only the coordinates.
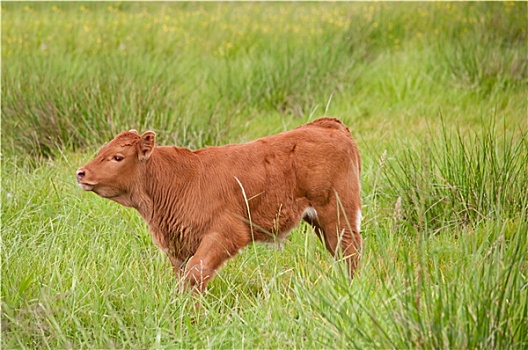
(310, 212)
(358, 220)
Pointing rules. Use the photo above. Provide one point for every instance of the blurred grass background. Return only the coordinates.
(75, 74)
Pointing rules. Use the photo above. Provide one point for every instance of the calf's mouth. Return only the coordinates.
(80, 174)
(86, 186)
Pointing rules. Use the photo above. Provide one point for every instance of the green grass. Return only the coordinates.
(435, 95)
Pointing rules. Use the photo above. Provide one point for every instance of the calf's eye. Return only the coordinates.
(117, 158)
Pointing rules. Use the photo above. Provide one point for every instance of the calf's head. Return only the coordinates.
(118, 166)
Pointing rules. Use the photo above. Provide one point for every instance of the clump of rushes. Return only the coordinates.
(453, 179)
(425, 300)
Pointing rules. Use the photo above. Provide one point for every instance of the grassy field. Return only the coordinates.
(435, 95)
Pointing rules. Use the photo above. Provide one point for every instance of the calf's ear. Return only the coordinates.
(146, 145)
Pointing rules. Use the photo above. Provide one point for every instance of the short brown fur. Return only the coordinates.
(202, 207)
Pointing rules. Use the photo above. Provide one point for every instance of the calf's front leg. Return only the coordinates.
(213, 251)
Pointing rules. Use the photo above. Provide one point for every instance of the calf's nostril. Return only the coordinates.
(80, 173)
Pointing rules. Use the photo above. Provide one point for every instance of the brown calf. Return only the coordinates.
(202, 207)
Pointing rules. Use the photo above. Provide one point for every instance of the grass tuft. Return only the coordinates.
(454, 179)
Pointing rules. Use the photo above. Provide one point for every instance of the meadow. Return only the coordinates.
(435, 95)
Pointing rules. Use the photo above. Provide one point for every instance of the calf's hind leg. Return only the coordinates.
(340, 233)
